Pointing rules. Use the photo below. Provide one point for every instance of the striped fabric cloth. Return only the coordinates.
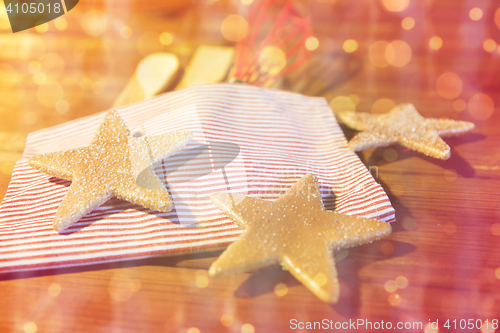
(247, 140)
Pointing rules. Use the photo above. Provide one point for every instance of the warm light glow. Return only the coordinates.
(62, 106)
(450, 228)
(398, 53)
(149, 42)
(272, 60)
(481, 106)
(489, 45)
(126, 32)
(39, 78)
(387, 248)
(475, 14)
(342, 103)
(166, 38)
(431, 328)
(60, 23)
(402, 282)
(383, 105)
(376, 53)
(408, 23)
(390, 154)
(436, 43)
(354, 98)
(54, 289)
(395, 5)
(394, 299)
(495, 229)
(226, 320)
(7, 168)
(449, 85)
(247, 328)
(497, 18)
(201, 280)
(94, 23)
(350, 45)
(409, 223)
(49, 93)
(497, 273)
(234, 28)
(459, 105)
(42, 28)
(280, 289)
(193, 330)
(487, 327)
(52, 64)
(119, 288)
(31, 47)
(247, 2)
(320, 279)
(30, 327)
(30, 118)
(390, 286)
(312, 43)
(135, 285)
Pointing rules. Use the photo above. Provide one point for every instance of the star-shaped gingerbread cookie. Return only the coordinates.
(404, 125)
(115, 164)
(295, 231)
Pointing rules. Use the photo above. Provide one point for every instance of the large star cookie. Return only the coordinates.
(295, 231)
(114, 164)
(404, 125)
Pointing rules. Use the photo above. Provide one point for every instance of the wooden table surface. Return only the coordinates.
(444, 244)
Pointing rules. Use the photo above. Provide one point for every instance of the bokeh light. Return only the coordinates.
(408, 23)
(30, 327)
(450, 175)
(409, 223)
(481, 106)
(193, 330)
(234, 28)
(54, 289)
(390, 286)
(342, 103)
(201, 279)
(394, 299)
(431, 328)
(350, 45)
(354, 98)
(50, 93)
(383, 105)
(121, 288)
(487, 327)
(135, 285)
(52, 64)
(376, 53)
(402, 282)
(60, 23)
(395, 5)
(387, 248)
(497, 273)
(126, 32)
(489, 45)
(42, 28)
(436, 43)
(495, 229)
(272, 60)
(449, 228)
(247, 2)
(449, 85)
(320, 279)
(459, 105)
(31, 47)
(390, 154)
(30, 118)
(247, 328)
(166, 38)
(94, 23)
(476, 14)
(149, 42)
(398, 53)
(312, 43)
(226, 320)
(280, 289)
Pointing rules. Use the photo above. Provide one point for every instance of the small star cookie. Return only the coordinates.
(404, 125)
(295, 231)
(115, 164)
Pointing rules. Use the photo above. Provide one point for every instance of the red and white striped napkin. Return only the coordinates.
(247, 140)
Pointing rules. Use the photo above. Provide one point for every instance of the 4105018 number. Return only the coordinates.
(471, 324)
(33, 8)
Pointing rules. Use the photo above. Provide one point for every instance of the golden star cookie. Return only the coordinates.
(404, 125)
(115, 164)
(295, 231)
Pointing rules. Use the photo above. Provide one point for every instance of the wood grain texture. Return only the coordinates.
(447, 212)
